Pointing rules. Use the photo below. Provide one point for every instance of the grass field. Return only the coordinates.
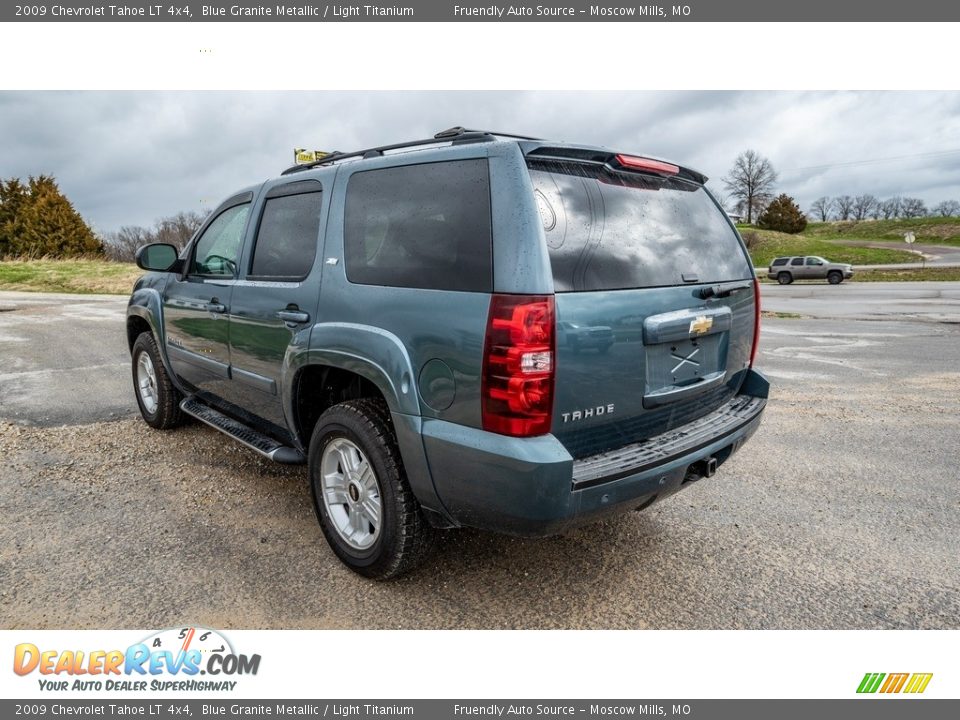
(69, 276)
(929, 274)
(934, 230)
(764, 245)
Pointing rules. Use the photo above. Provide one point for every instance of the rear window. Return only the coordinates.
(610, 231)
(780, 261)
(420, 226)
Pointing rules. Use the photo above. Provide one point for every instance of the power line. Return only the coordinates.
(853, 163)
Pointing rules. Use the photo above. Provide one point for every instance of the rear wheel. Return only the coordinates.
(834, 277)
(158, 399)
(363, 501)
(784, 278)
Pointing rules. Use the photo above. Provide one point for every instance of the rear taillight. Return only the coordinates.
(518, 365)
(756, 320)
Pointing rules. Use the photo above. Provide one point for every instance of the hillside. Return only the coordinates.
(764, 245)
(935, 230)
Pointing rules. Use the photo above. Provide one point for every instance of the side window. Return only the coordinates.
(797, 261)
(813, 261)
(286, 243)
(420, 226)
(780, 261)
(218, 249)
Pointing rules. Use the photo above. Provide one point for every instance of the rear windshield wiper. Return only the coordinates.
(719, 291)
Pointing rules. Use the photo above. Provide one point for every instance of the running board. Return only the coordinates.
(243, 434)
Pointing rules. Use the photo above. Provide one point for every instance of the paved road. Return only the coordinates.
(843, 512)
(63, 358)
(927, 301)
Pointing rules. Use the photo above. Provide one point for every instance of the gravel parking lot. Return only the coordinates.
(842, 512)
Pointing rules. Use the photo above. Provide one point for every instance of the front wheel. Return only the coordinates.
(834, 278)
(363, 501)
(157, 398)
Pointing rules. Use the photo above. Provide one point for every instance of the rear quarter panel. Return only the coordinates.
(441, 331)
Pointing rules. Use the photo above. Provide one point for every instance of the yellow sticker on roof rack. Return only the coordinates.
(302, 156)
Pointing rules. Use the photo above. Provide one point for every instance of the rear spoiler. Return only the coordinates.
(601, 156)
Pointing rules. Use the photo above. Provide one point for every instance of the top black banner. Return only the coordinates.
(738, 11)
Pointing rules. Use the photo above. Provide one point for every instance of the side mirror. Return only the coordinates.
(157, 257)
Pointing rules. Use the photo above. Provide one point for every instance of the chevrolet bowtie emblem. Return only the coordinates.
(700, 325)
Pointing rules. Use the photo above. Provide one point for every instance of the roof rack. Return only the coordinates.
(458, 130)
(454, 135)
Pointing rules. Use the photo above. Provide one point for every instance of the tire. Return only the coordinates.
(157, 398)
(784, 278)
(364, 504)
(834, 277)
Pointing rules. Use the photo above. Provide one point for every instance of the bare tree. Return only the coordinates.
(123, 244)
(947, 208)
(844, 205)
(862, 205)
(750, 182)
(821, 208)
(176, 230)
(891, 207)
(914, 207)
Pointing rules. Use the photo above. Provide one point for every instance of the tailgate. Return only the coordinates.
(669, 358)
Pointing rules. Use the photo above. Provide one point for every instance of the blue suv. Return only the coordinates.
(476, 329)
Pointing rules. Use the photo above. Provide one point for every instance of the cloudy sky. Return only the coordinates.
(128, 158)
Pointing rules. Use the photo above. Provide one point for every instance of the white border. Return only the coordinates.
(542, 664)
(458, 56)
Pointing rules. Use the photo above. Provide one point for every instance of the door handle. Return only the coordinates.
(293, 317)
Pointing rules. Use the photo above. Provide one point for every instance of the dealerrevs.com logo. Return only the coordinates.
(168, 660)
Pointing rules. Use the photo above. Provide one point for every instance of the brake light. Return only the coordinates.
(639, 163)
(756, 320)
(518, 365)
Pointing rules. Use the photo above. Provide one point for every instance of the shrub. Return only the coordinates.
(783, 215)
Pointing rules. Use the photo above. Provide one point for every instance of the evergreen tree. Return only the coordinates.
(783, 215)
(38, 219)
(14, 197)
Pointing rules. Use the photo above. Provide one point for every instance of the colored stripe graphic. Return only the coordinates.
(894, 682)
(870, 682)
(918, 683)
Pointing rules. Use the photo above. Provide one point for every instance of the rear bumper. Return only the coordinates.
(534, 487)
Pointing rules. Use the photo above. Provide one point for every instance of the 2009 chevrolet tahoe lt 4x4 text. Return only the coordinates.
(477, 329)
